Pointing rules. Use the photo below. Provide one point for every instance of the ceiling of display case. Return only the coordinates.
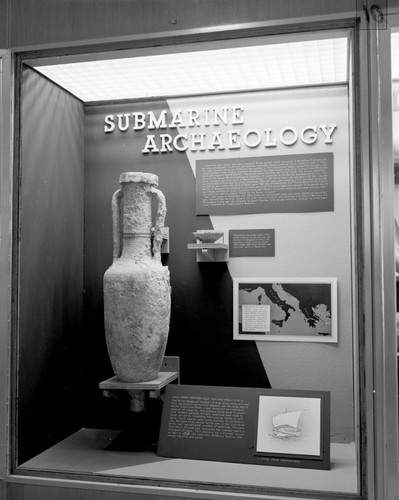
(195, 72)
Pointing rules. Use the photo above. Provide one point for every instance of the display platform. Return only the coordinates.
(86, 452)
(161, 380)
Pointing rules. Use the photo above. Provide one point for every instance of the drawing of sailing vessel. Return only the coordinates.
(287, 425)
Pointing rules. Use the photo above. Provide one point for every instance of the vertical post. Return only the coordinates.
(384, 404)
(6, 183)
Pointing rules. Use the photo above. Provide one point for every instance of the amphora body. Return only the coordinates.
(136, 286)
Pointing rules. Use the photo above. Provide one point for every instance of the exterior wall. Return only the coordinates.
(24, 23)
(49, 22)
(85, 492)
(3, 24)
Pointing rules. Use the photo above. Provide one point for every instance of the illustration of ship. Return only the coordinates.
(287, 425)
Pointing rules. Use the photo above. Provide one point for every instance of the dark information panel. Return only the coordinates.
(274, 184)
(252, 242)
(221, 423)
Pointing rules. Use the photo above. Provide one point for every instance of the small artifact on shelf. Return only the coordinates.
(210, 246)
(208, 236)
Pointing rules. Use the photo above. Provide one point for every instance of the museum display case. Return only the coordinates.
(266, 159)
(250, 251)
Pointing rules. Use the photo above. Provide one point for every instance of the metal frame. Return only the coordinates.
(6, 219)
(381, 341)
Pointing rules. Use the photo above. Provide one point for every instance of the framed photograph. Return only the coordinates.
(285, 309)
(294, 426)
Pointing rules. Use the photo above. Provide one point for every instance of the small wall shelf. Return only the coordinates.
(211, 252)
(165, 248)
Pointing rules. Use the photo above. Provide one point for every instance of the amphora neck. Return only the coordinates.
(137, 202)
(136, 210)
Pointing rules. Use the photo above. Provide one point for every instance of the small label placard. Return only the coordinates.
(255, 318)
(252, 242)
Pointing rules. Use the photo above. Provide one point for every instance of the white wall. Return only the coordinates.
(307, 244)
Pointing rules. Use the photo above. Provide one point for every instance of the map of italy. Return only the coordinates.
(295, 308)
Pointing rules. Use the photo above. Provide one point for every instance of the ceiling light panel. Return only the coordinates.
(310, 62)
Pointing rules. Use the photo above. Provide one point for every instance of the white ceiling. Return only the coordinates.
(186, 71)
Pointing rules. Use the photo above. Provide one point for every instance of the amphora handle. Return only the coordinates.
(159, 222)
(117, 223)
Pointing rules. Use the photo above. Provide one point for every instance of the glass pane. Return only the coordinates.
(395, 127)
(270, 169)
